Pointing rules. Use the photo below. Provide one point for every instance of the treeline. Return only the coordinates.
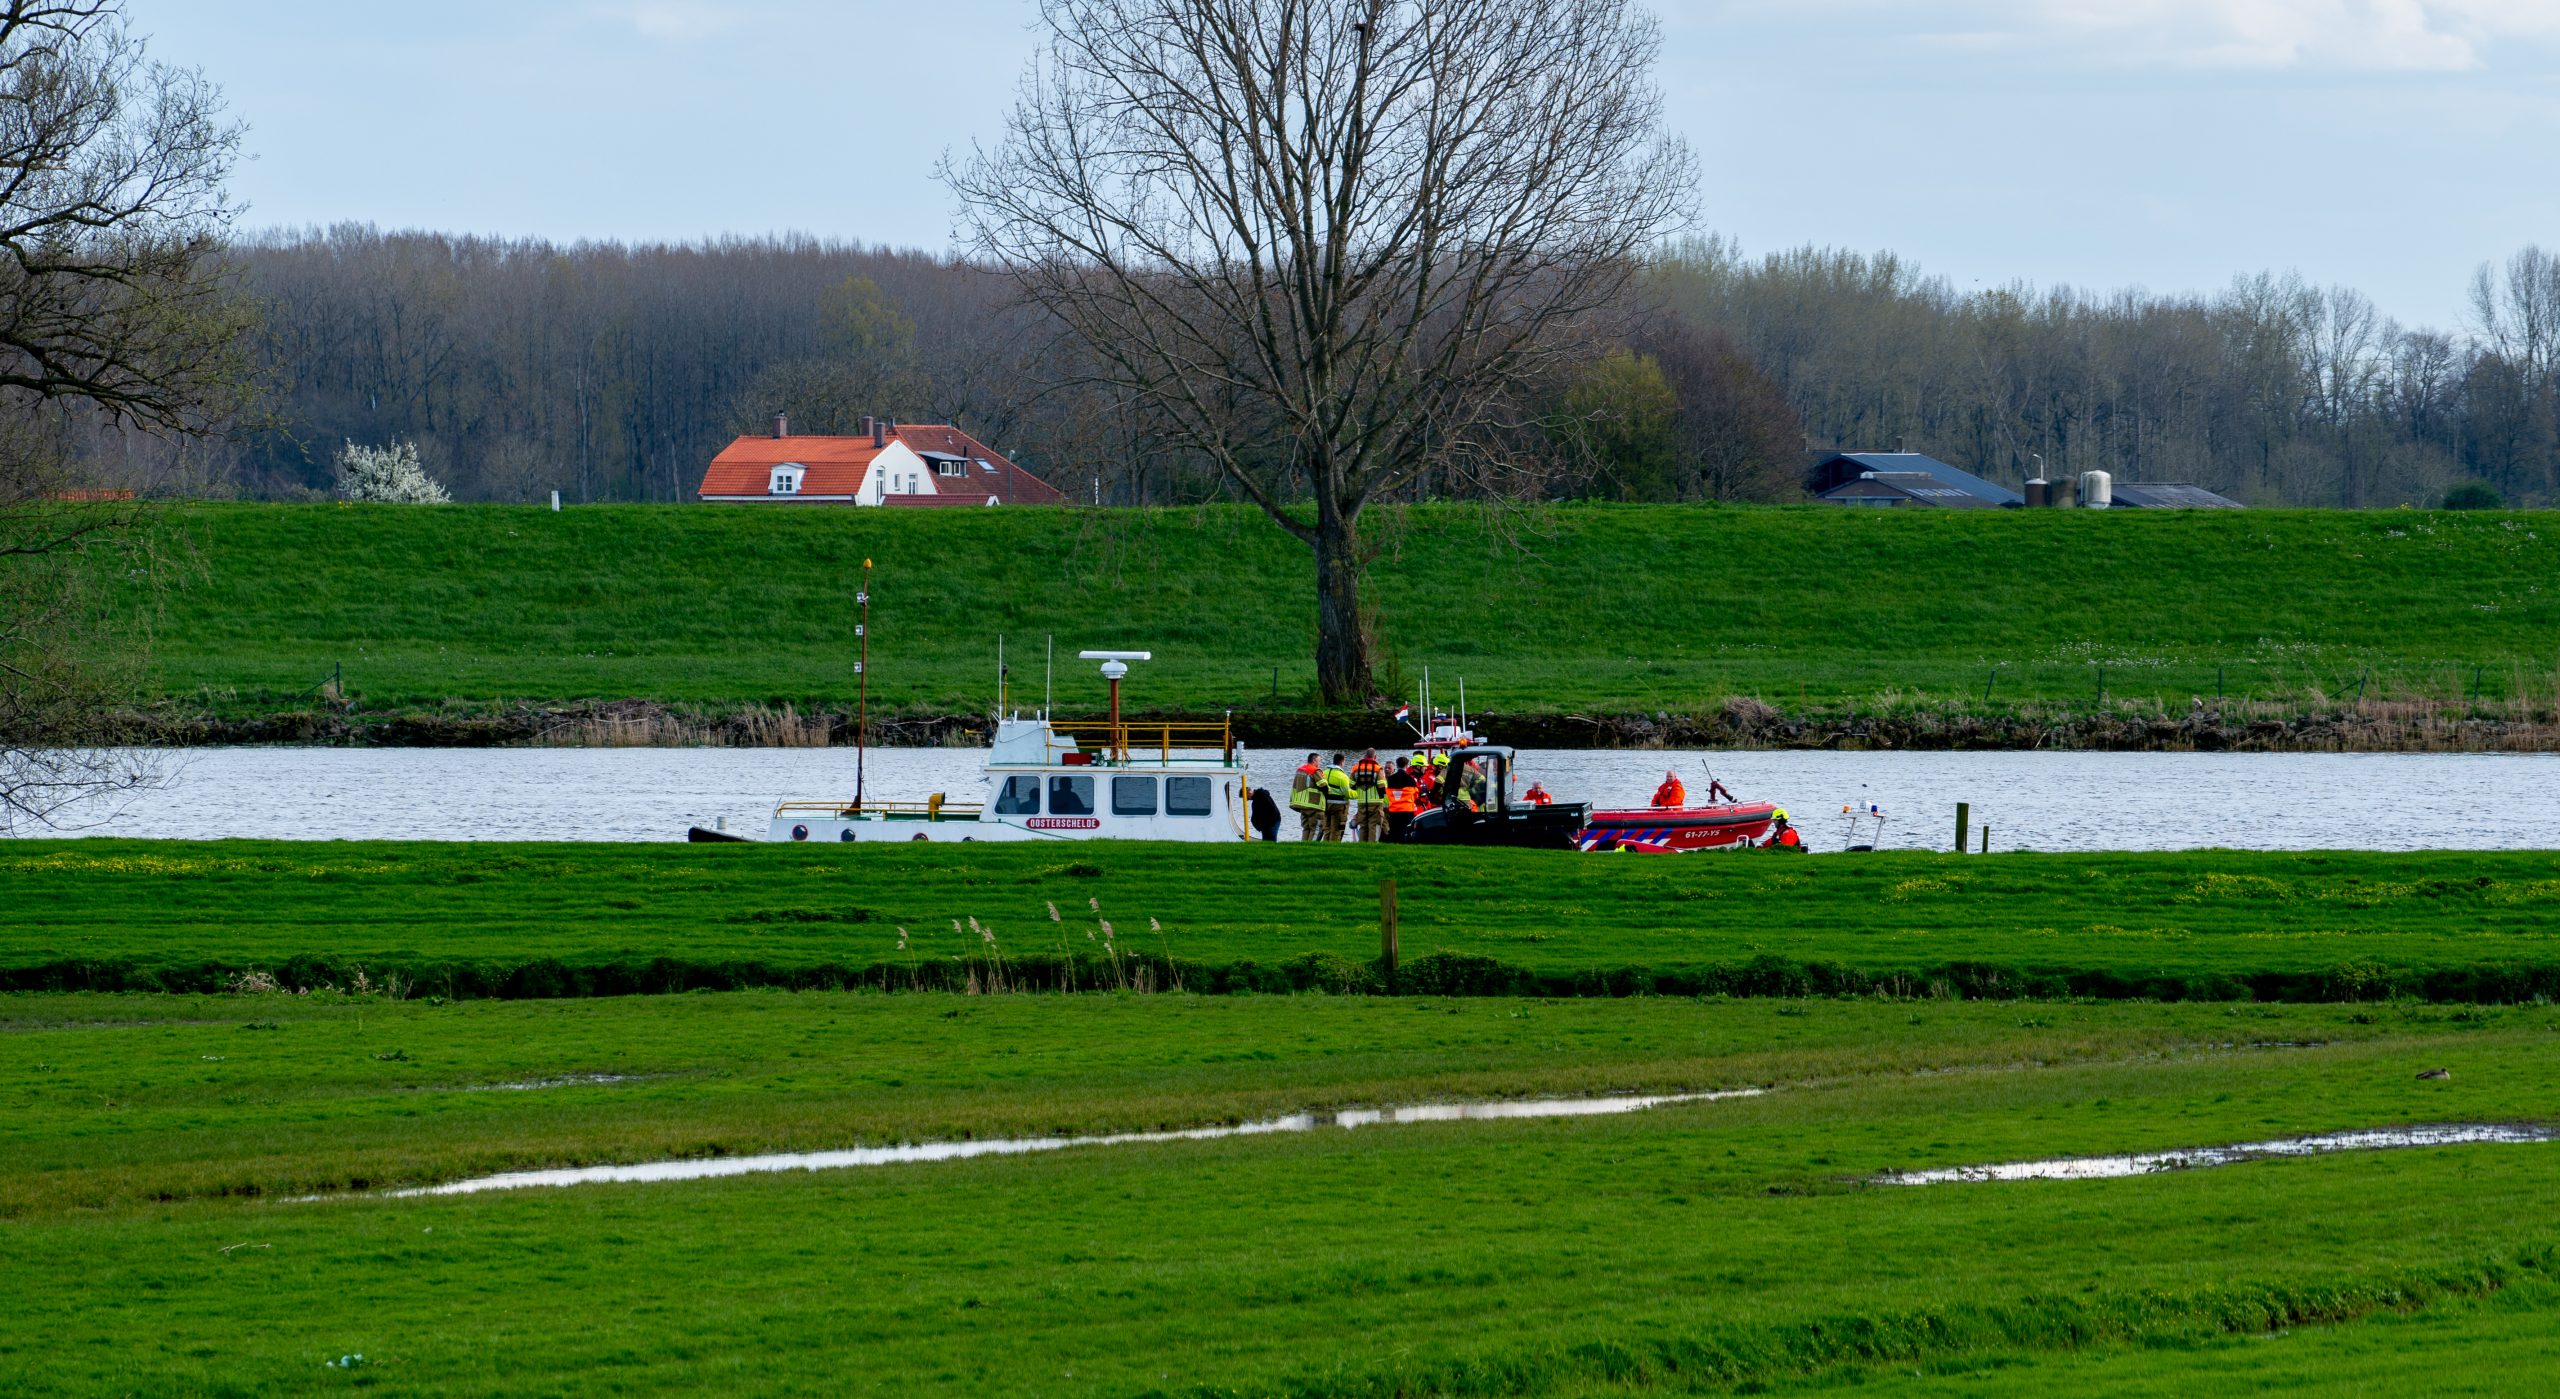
(2273, 391)
(612, 372)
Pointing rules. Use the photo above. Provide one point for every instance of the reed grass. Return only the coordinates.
(570, 920)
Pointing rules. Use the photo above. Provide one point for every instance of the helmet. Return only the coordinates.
(1781, 814)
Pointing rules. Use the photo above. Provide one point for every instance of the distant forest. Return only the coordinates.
(610, 372)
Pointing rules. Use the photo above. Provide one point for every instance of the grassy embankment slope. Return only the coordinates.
(151, 1145)
(551, 920)
(1593, 609)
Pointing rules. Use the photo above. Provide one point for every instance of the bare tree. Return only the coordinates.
(1328, 243)
(2518, 311)
(113, 318)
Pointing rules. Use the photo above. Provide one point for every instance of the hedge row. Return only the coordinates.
(1436, 974)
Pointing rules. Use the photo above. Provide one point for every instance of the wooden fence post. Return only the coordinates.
(1964, 819)
(1387, 929)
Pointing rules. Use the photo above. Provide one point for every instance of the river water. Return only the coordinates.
(2033, 801)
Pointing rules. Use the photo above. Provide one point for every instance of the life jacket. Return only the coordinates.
(1787, 839)
(1404, 799)
(1671, 793)
(1538, 796)
(1366, 773)
(1306, 793)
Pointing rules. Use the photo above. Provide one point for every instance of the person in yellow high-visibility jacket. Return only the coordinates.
(1306, 797)
(1337, 799)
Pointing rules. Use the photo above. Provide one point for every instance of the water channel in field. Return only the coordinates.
(913, 1153)
(2198, 1158)
(2031, 801)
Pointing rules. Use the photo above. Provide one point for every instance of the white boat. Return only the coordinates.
(1052, 780)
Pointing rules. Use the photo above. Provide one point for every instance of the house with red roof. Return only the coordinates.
(904, 464)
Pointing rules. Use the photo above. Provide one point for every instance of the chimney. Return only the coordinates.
(866, 425)
(781, 425)
(879, 431)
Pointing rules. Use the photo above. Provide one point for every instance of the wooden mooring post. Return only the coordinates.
(1964, 819)
(1986, 840)
(1387, 930)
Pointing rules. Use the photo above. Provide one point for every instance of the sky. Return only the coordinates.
(2169, 145)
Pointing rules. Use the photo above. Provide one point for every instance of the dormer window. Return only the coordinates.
(786, 479)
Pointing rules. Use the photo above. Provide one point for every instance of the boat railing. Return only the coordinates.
(933, 808)
(1165, 738)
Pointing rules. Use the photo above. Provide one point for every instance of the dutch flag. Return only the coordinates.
(1403, 712)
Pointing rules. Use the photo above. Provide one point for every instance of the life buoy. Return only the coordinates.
(799, 832)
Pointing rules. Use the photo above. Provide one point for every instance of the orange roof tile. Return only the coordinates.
(745, 467)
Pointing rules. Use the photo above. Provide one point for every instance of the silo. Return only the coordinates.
(2039, 493)
(2097, 489)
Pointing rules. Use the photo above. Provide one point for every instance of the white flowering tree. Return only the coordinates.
(390, 474)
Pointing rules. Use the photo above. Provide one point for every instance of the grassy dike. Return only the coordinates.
(1616, 612)
(154, 1148)
(542, 921)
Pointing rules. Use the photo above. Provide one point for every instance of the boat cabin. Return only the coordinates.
(1064, 780)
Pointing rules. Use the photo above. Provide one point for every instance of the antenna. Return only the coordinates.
(1048, 679)
(1115, 664)
(1000, 674)
(862, 682)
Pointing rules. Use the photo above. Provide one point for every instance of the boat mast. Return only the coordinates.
(862, 682)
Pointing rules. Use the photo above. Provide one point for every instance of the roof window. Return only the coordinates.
(786, 479)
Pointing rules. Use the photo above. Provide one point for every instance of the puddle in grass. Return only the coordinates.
(2112, 1167)
(1018, 1146)
(527, 1085)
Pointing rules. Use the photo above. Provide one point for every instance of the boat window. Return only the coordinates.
(1134, 796)
(1020, 797)
(1186, 796)
(1071, 796)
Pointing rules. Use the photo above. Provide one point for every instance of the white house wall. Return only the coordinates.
(896, 462)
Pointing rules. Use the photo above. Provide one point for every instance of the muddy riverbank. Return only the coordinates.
(1736, 723)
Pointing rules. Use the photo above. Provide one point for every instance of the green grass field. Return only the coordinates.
(152, 1147)
(559, 919)
(1616, 609)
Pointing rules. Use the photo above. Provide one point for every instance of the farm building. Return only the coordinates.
(1904, 478)
(2169, 495)
(903, 464)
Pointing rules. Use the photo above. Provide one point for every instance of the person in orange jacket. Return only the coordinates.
(1404, 798)
(1671, 792)
(1782, 836)
(1536, 795)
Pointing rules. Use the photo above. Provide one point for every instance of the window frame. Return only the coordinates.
(1208, 797)
(1007, 804)
(1120, 807)
(1082, 797)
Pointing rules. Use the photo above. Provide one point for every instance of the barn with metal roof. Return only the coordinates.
(2169, 495)
(1949, 486)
